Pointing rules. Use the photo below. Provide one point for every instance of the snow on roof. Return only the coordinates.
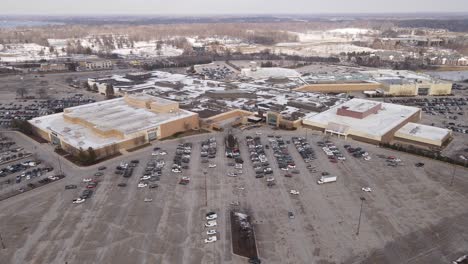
(375, 125)
(273, 72)
(113, 114)
(423, 131)
(350, 31)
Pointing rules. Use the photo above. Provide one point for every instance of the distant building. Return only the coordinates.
(138, 76)
(95, 65)
(408, 83)
(53, 67)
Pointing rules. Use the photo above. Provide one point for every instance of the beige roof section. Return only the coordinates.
(424, 132)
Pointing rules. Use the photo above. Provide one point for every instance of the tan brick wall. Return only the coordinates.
(187, 123)
(228, 115)
(164, 108)
(338, 87)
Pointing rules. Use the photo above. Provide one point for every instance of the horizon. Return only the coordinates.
(240, 7)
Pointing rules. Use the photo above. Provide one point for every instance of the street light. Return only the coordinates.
(360, 214)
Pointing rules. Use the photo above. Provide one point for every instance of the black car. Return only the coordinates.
(122, 184)
(86, 194)
(102, 168)
(71, 186)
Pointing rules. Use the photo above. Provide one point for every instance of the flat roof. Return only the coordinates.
(362, 106)
(376, 125)
(147, 97)
(113, 114)
(423, 131)
(272, 72)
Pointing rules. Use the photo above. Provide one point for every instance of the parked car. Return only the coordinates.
(78, 200)
(211, 239)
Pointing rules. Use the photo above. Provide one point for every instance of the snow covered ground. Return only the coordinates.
(25, 52)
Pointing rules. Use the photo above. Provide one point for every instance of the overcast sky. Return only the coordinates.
(200, 7)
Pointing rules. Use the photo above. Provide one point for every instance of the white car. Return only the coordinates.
(211, 223)
(147, 200)
(87, 180)
(367, 158)
(366, 189)
(154, 154)
(78, 200)
(295, 192)
(212, 217)
(211, 165)
(285, 168)
(238, 166)
(176, 170)
(258, 133)
(365, 154)
(270, 179)
(211, 232)
(142, 185)
(211, 239)
(145, 177)
(162, 153)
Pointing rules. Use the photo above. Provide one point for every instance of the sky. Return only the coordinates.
(202, 7)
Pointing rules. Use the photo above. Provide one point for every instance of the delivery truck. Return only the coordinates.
(326, 179)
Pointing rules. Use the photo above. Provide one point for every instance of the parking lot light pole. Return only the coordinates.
(453, 174)
(206, 191)
(360, 214)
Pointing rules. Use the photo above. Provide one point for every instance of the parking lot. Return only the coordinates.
(413, 214)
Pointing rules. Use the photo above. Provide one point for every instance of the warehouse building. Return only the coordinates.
(364, 120)
(112, 125)
(422, 135)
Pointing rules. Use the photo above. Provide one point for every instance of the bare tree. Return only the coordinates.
(42, 92)
(22, 91)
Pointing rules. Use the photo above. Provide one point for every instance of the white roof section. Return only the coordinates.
(117, 114)
(374, 125)
(75, 135)
(272, 72)
(423, 131)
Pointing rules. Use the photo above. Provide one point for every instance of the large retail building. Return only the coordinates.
(116, 124)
